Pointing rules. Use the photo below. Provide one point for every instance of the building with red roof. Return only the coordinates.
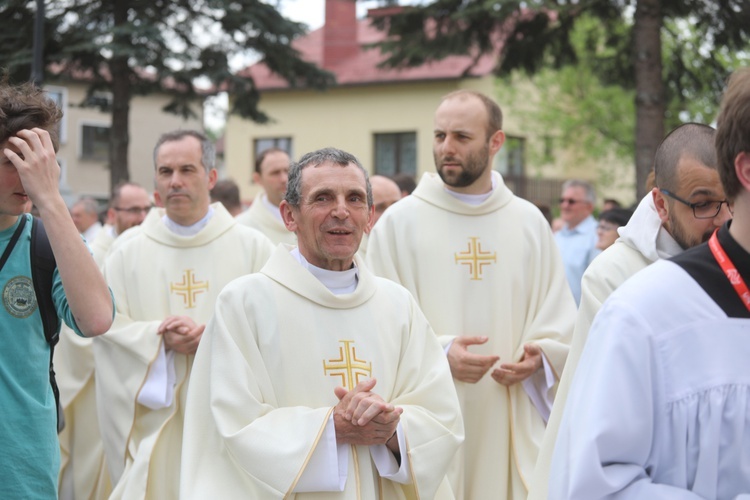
(382, 116)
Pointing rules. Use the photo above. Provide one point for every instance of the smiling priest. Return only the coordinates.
(315, 378)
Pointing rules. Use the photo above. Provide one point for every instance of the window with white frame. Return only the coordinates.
(396, 153)
(94, 142)
(60, 96)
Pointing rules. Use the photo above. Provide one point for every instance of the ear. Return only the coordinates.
(213, 175)
(660, 202)
(288, 215)
(742, 169)
(370, 219)
(256, 178)
(157, 199)
(496, 142)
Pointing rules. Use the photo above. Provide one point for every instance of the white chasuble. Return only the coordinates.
(83, 470)
(263, 386)
(153, 274)
(493, 270)
(259, 217)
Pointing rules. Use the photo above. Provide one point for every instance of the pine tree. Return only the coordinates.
(136, 47)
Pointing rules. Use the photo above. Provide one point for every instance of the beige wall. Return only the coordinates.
(348, 117)
(345, 118)
(147, 122)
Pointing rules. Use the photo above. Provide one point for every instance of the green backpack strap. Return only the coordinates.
(42, 269)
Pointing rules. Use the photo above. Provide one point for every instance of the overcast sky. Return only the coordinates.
(312, 12)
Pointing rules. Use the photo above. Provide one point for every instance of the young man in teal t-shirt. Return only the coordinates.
(29, 171)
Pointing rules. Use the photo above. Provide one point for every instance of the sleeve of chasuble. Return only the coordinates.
(122, 357)
(433, 426)
(269, 444)
(551, 311)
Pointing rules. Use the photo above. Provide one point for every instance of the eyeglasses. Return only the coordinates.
(570, 201)
(704, 209)
(133, 210)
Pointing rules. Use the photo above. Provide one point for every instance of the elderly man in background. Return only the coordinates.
(85, 214)
(577, 239)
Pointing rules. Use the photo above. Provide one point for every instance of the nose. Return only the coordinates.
(447, 147)
(723, 215)
(175, 180)
(340, 209)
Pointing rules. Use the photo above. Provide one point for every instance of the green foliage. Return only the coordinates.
(592, 43)
(168, 45)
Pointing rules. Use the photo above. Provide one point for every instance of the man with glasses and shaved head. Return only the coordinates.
(577, 239)
(660, 406)
(661, 227)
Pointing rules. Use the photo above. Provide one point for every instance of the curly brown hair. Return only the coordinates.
(25, 107)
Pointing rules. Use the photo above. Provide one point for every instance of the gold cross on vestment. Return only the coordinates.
(475, 258)
(189, 288)
(347, 366)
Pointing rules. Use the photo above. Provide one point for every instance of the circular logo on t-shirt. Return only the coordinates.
(19, 298)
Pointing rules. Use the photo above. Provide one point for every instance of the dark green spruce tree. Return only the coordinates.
(537, 34)
(136, 47)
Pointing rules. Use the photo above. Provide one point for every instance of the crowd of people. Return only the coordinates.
(350, 336)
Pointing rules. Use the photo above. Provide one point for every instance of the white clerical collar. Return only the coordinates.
(271, 207)
(473, 199)
(338, 282)
(191, 230)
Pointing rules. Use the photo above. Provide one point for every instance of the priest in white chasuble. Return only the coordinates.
(483, 266)
(315, 378)
(83, 470)
(165, 275)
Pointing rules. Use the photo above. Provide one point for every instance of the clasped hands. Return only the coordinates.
(181, 334)
(361, 417)
(470, 367)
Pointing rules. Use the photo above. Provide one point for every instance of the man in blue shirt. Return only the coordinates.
(29, 171)
(577, 240)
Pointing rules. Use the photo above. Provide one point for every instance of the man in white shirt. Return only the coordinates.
(577, 239)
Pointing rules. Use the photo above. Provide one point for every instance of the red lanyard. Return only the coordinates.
(729, 269)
